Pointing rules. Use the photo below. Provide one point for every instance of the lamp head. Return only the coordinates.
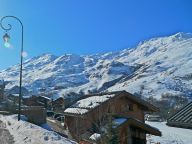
(6, 38)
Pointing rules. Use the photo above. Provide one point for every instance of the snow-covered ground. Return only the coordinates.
(28, 133)
(170, 135)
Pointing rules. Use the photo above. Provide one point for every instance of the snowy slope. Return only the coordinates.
(156, 66)
(166, 66)
(170, 135)
(27, 133)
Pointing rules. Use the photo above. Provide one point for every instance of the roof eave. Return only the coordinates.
(148, 106)
(73, 115)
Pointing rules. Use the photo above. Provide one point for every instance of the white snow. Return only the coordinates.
(95, 136)
(92, 101)
(76, 110)
(84, 105)
(27, 133)
(170, 135)
(45, 97)
(161, 65)
(119, 121)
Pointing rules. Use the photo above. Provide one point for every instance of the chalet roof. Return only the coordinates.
(58, 98)
(147, 106)
(84, 105)
(120, 121)
(17, 95)
(45, 97)
(89, 102)
(182, 118)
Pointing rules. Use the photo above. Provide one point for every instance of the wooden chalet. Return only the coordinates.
(182, 118)
(87, 118)
(44, 101)
(26, 100)
(58, 103)
(14, 98)
(31, 101)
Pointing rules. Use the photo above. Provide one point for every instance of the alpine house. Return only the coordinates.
(88, 119)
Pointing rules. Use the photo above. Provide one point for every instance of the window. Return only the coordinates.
(131, 107)
(127, 107)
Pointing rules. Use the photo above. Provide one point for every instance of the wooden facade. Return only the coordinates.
(35, 114)
(89, 119)
(58, 103)
(31, 101)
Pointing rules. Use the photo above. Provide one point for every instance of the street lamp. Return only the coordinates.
(6, 39)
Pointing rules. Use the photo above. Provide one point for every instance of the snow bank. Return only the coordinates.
(95, 136)
(27, 133)
(170, 135)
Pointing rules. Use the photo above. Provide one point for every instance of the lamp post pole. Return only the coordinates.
(6, 37)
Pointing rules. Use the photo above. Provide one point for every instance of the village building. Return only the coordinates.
(31, 101)
(44, 101)
(86, 120)
(34, 112)
(182, 118)
(13, 98)
(58, 103)
(49, 103)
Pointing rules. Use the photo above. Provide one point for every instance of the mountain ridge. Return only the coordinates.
(154, 67)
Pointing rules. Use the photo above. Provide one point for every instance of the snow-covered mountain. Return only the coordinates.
(155, 67)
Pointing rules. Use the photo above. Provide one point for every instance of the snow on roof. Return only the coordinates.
(76, 110)
(95, 136)
(119, 121)
(135, 122)
(15, 95)
(23, 96)
(45, 97)
(84, 105)
(54, 98)
(154, 116)
(26, 96)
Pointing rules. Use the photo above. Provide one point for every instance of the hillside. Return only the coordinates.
(155, 67)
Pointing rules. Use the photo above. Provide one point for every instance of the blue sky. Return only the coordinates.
(89, 26)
